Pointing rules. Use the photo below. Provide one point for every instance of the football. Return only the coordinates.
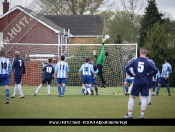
(107, 36)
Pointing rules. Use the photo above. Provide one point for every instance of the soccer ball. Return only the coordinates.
(107, 36)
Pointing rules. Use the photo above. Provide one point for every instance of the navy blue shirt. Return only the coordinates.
(141, 67)
(18, 66)
(48, 71)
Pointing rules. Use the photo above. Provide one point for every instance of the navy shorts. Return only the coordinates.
(61, 80)
(18, 79)
(94, 81)
(161, 79)
(48, 80)
(140, 87)
(4, 79)
(150, 84)
(87, 79)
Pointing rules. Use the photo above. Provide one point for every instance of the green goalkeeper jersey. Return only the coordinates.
(102, 56)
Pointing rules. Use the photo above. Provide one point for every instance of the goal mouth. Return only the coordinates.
(36, 56)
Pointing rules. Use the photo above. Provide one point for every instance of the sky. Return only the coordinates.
(167, 6)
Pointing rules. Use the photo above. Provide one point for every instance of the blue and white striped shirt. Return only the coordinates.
(5, 66)
(166, 69)
(62, 68)
(86, 69)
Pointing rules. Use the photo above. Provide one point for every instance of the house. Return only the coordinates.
(21, 25)
(27, 30)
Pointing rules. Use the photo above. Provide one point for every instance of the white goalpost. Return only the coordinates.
(36, 56)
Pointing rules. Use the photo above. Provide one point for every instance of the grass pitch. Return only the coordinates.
(78, 106)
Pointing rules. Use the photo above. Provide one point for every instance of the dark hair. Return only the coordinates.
(106, 53)
(87, 59)
(62, 57)
(50, 60)
(167, 59)
(2, 53)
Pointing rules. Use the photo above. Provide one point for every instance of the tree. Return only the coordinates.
(122, 28)
(161, 45)
(60, 7)
(150, 17)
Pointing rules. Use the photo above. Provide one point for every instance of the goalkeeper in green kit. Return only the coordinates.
(100, 61)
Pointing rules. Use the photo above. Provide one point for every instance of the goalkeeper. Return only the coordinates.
(100, 61)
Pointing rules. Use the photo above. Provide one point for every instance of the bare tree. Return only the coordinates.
(71, 6)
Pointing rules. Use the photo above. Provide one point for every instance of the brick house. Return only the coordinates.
(25, 27)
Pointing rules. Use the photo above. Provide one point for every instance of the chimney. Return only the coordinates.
(5, 6)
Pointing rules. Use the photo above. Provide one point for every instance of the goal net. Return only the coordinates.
(36, 56)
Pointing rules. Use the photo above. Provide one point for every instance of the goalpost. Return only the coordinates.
(36, 56)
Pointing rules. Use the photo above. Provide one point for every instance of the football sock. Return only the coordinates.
(20, 89)
(48, 88)
(83, 90)
(143, 106)
(59, 90)
(149, 97)
(153, 88)
(7, 93)
(88, 89)
(130, 106)
(38, 88)
(126, 89)
(63, 90)
(15, 90)
(168, 88)
(158, 88)
(96, 90)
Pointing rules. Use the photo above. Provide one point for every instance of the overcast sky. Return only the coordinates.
(167, 6)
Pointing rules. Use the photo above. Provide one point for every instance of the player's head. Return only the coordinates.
(106, 53)
(50, 60)
(166, 59)
(143, 51)
(62, 57)
(87, 59)
(2, 53)
(17, 54)
(147, 54)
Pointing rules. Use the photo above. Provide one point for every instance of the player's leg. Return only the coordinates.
(18, 82)
(134, 92)
(159, 85)
(83, 85)
(94, 82)
(100, 74)
(144, 93)
(153, 88)
(7, 93)
(149, 96)
(39, 87)
(63, 81)
(48, 86)
(83, 89)
(126, 86)
(5, 81)
(14, 92)
(59, 86)
(15, 88)
(168, 86)
(130, 87)
(89, 82)
(88, 86)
